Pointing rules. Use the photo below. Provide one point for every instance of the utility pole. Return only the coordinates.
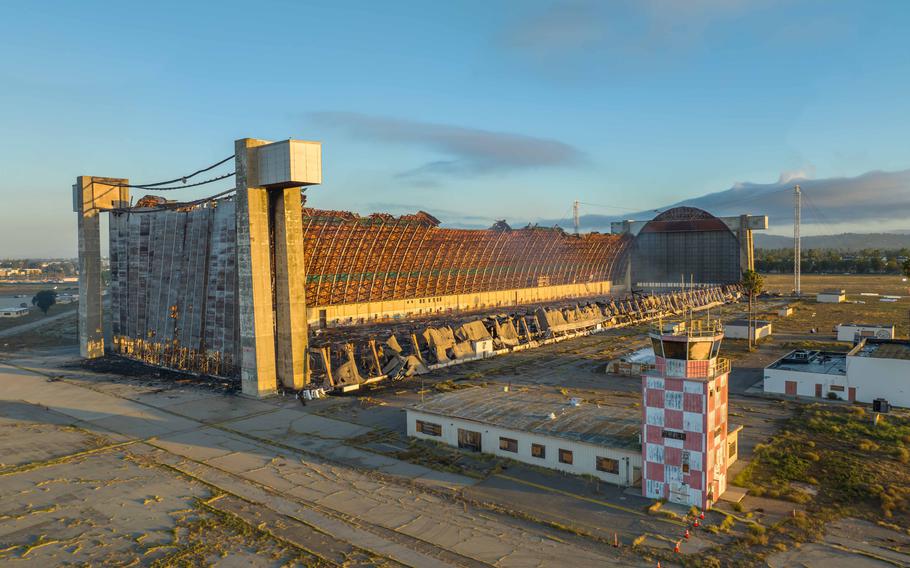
(796, 251)
(575, 215)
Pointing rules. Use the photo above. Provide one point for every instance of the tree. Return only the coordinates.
(44, 300)
(905, 268)
(753, 284)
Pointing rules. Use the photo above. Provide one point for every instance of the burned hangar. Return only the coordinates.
(252, 284)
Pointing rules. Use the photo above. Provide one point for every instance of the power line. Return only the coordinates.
(181, 178)
(212, 180)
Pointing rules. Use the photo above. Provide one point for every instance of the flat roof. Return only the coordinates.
(528, 410)
(834, 292)
(872, 325)
(886, 349)
(745, 323)
(822, 362)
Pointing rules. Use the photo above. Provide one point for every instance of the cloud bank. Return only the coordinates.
(871, 202)
(462, 151)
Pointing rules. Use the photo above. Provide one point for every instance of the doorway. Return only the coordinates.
(469, 440)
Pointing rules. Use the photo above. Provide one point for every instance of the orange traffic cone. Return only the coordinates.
(687, 534)
(615, 540)
(676, 548)
(658, 564)
(702, 515)
(696, 522)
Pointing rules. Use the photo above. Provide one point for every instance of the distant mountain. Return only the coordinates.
(874, 199)
(844, 241)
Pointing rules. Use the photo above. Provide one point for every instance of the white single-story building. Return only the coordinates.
(875, 368)
(537, 427)
(880, 368)
(831, 297)
(853, 332)
(13, 312)
(809, 373)
(739, 329)
(785, 311)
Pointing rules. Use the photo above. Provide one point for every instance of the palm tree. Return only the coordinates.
(753, 283)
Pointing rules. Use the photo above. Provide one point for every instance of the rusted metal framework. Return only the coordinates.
(352, 259)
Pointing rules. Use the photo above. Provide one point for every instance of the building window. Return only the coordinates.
(719, 431)
(673, 400)
(673, 435)
(565, 456)
(608, 465)
(731, 449)
(538, 451)
(685, 461)
(837, 388)
(429, 428)
(508, 444)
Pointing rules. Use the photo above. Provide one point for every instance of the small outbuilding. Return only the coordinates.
(785, 311)
(854, 332)
(537, 427)
(831, 297)
(13, 312)
(739, 329)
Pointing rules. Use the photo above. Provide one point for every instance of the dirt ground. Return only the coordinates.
(98, 467)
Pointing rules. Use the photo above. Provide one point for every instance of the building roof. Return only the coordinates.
(803, 361)
(745, 323)
(529, 410)
(833, 292)
(870, 325)
(884, 349)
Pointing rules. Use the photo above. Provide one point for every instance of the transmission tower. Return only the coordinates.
(575, 215)
(796, 251)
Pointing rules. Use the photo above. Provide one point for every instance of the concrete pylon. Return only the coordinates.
(91, 196)
(258, 375)
(270, 262)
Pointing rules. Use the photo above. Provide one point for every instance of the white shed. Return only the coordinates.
(831, 297)
(537, 427)
(855, 331)
(739, 329)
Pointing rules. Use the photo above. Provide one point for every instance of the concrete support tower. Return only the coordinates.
(91, 196)
(272, 278)
(684, 420)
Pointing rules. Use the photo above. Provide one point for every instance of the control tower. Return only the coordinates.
(684, 418)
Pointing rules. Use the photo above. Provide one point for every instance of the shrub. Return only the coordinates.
(903, 455)
(738, 506)
(727, 524)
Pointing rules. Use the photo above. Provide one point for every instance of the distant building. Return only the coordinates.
(13, 312)
(686, 445)
(785, 311)
(739, 329)
(535, 427)
(831, 297)
(854, 332)
(875, 368)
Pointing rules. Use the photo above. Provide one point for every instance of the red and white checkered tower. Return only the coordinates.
(684, 417)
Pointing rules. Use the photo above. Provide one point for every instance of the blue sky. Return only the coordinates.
(470, 110)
